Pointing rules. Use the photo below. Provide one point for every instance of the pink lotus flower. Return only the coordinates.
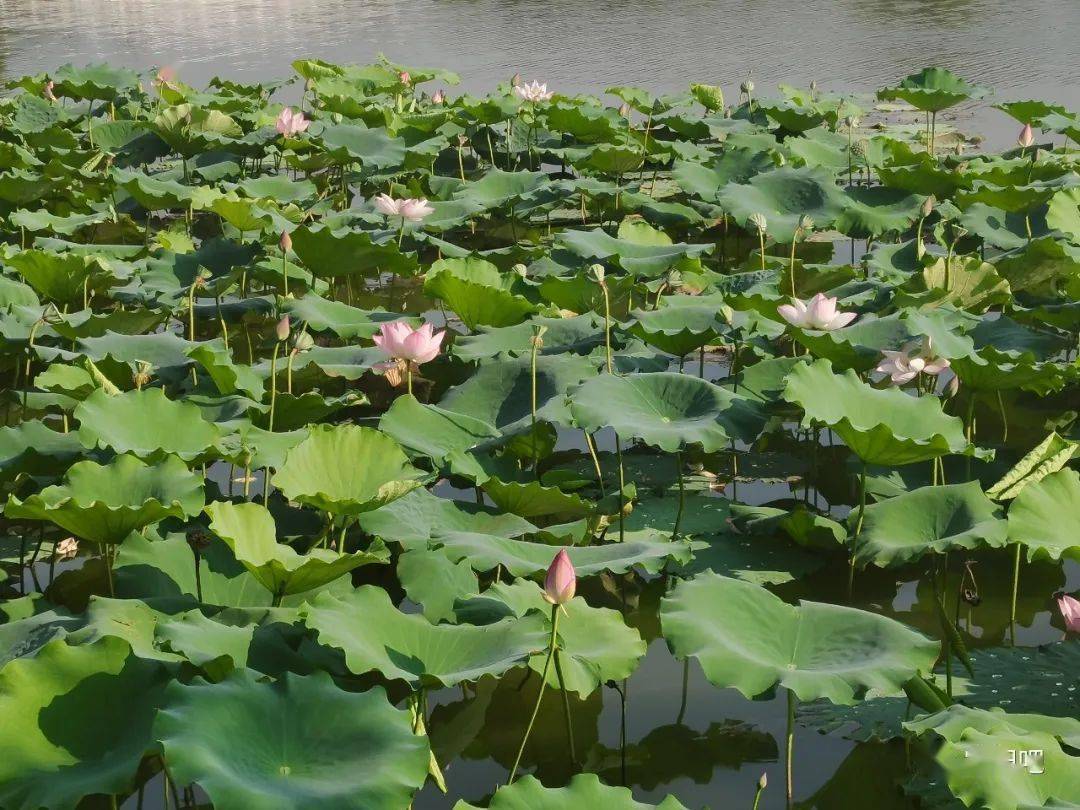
(819, 312)
(285, 242)
(438, 97)
(405, 78)
(534, 92)
(1026, 137)
(410, 210)
(67, 548)
(1070, 612)
(560, 583)
(165, 77)
(399, 341)
(291, 123)
(914, 358)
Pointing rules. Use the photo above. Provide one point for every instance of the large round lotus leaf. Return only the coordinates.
(433, 582)
(96, 82)
(407, 647)
(105, 503)
(580, 335)
(584, 790)
(871, 211)
(532, 499)
(343, 320)
(420, 514)
(747, 638)
(477, 292)
(1045, 516)
(64, 736)
(595, 644)
(885, 426)
(346, 470)
(431, 431)
(734, 165)
(145, 423)
(36, 449)
(375, 148)
(329, 253)
(498, 187)
(932, 89)
(678, 330)
(59, 277)
(929, 520)
(648, 259)
(667, 410)
(521, 558)
(859, 345)
(249, 530)
(784, 196)
(983, 755)
(298, 742)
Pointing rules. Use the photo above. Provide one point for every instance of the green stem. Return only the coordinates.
(1015, 588)
(566, 707)
(790, 748)
(532, 372)
(682, 494)
(408, 379)
(540, 694)
(761, 240)
(273, 383)
(595, 460)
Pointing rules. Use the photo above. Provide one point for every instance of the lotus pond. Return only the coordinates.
(410, 448)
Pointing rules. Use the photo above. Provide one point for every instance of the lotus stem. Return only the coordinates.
(757, 795)
(622, 490)
(607, 328)
(285, 272)
(198, 574)
(701, 363)
(761, 241)
(273, 383)
(191, 313)
(858, 526)
(408, 380)
(682, 494)
(596, 461)
(685, 691)
(535, 348)
(221, 320)
(1015, 588)
(792, 268)
(790, 748)
(1004, 418)
(933, 133)
(566, 707)
(540, 694)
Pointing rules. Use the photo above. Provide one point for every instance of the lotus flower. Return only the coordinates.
(534, 92)
(281, 330)
(66, 548)
(291, 123)
(47, 91)
(1026, 137)
(438, 97)
(914, 358)
(411, 209)
(561, 581)
(285, 242)
(405, 78)
(399, 341)
(1070, 612)
(165, 77)
(819, 312)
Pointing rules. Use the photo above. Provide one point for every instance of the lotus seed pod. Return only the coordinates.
(851, 122)
(806, 223)
(747, 87)
(928, 206)
(537, 340)
(757, 219)
(285, 242)
(198, 539)
(597, 272)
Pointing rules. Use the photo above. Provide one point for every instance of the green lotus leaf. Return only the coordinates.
(870, 212)
(330, 253)
(929, 520)
(980, 756)
(420, 515)
(1040, 267)
(476, 290)
(32, 448)
(60, 277)
(86, 323)
(783, 196)
(228, 376)
(432, 431)
(146, 424)
(678, 330)
(580, 335)
(306, 742)
(595, 645)
(816, 650)
(97, 82)
(249, 530)
(346, 470)
(432, 581)
(932, 89)
(800, 524)
(190, 130)
(213, 646)
(584, 790)
(640, 258)
(859, 345)
(533, 499)
(667, 410)
(374, 148)
(999, 228)
(62, 738)
(762, 560)
(409, 648)
(880, 426)
(106, 503)
(521, 558)
(1049, 456)
(706, 180)
(501, 188)
(159, 194)
(1045, 516)
(343, 320)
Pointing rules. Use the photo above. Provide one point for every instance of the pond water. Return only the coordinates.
(666, 730)
(1021, 48)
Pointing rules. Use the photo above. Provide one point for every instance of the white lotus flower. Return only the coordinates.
(534, 92)
(410, 209)
(914, 358)
(819, 312)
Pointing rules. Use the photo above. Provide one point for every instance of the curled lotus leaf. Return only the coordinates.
(584, 790)
(932, 89)
(1045, 516)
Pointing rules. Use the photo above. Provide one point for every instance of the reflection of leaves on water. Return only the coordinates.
(672, 752)
(872, 772)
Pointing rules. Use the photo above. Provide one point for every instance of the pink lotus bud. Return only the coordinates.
(1070, 612)
(285, 242)
(282, 328)
(516, 80)
(1026, 137)
(405, 78)
(561, 581)
(439, 97)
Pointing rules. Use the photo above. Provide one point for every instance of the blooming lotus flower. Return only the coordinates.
(405, 78)
(67, 548)
(438, 97)
(165, 77)
(534, 92)
(914, 358)
(561, 580)
(291, 123)
(1026, 137)
(399, 341)
(1070, 612)
(819, 312)
(411, 209)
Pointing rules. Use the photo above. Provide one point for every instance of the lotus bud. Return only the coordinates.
(142, 375)
(515, 81)
(928, 206)
(66, 548)
(462, 140)
(561, 580)
(282, 328)
(763, 782)
(405, 78)
(1070, 612)
(302, 341)
(537, 340)
(757, 219)
(747, 86)
(953, 388)
(1026, 137)
(851, 122)
(806, 223)
(597, 272)
(813, 88)
(438, 97)
(624, 110)
(47, 91)
(285, 242)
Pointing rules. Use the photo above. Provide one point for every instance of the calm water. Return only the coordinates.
(702, 744)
